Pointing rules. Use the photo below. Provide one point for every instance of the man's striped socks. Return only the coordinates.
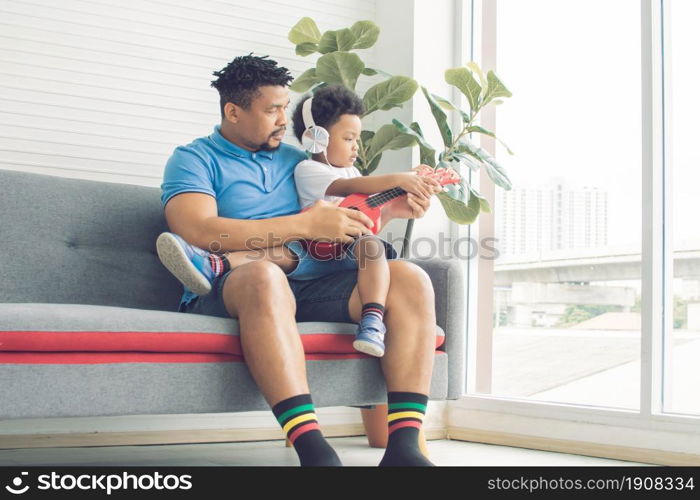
(406, 412)
(297, 417)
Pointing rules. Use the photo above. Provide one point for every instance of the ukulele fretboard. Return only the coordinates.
(379, 199)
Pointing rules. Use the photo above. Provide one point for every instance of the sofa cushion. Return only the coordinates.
(97, 241)
(149, 385)
(50, 328)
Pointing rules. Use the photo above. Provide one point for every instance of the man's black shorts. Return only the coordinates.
(322, 299)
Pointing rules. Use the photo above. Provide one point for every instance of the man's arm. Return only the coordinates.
(194, 216)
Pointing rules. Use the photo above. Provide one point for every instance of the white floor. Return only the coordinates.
(353, 451)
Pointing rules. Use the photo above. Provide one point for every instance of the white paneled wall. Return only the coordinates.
(105, 89)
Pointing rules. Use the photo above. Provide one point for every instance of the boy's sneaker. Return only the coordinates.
(370, 336)
(188, 263)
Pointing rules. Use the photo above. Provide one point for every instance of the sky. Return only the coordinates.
(574, 70)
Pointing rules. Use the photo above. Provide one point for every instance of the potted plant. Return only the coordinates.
(338, 64)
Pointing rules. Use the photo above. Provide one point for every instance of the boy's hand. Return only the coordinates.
(415, 184)
(433, 184)
(412, 206)
(327, 221)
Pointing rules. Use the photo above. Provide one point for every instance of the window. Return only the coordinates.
(567, 322)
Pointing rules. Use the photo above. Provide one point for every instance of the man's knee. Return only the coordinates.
(410, 283)
(258, 281)
(407, 273)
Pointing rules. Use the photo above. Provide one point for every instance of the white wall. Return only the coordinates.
(420, 38)
(105, 89)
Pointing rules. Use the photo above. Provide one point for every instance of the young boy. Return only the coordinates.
(329, 175)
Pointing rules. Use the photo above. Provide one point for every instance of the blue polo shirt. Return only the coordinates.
(245, 184)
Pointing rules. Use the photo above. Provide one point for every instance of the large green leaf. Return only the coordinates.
(482, 130)
(495, 88)
(366, 34)
(468, 148)
(372, 165)
(305, 31)
(483, 202)
(459, 191)
(305, 49)
(459, 211)
(373, 72)
(493, 168)
(413, 130)
(468, 161)
(366, 137)
(440, 118)
(480, 74)
(364, 145)
(497, 173)
(427, 153)
(389, 94)
(389, 137)
(336, 41)
(305, 81)
(449, 106)
(340, 67)
(467, 84)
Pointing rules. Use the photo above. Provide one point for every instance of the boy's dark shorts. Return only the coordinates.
(321, 299)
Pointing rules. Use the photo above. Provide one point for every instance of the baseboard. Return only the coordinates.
(642, 455)
(186, 429)
(178, 436)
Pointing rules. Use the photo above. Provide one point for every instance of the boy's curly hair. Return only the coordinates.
(328, 105)
(239, 81)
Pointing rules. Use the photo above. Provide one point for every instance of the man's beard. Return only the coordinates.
(266, 146)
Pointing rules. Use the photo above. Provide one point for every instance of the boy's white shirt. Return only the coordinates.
(313, 178)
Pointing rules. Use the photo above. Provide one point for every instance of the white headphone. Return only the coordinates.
(314, 139)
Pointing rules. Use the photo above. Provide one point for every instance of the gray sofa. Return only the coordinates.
(88, 321)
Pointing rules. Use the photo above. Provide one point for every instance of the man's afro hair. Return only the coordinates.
(239, 81)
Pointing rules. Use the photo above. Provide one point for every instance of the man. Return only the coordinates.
(222, 191)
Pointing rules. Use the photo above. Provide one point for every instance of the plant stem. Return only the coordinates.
(407, 239)
(451, 149)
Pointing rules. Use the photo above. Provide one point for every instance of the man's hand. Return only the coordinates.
(327, 221)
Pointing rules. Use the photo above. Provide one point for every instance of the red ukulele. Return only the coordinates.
(371, 205)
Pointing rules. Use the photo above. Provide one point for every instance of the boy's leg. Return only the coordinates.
(373, 270)
(373, 286)
(197, 269)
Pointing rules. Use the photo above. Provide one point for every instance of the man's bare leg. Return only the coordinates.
(258, 294)
(410, 321)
